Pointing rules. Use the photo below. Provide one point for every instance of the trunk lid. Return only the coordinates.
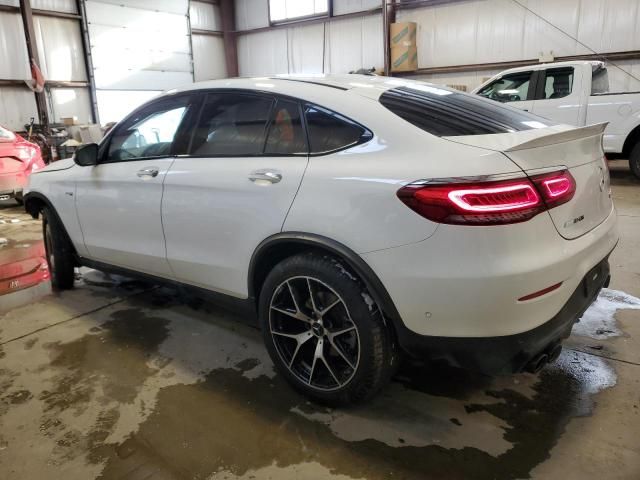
(544, 150)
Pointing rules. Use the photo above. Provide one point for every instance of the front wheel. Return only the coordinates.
(323, 331)
(634, 160)
(59, 251)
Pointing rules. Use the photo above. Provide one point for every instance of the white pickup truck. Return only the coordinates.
(575, 93)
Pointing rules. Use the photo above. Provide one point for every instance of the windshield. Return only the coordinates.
(447, 113)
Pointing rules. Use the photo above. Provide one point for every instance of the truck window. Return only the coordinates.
(599, 81)
(558, 82)
(513, 87)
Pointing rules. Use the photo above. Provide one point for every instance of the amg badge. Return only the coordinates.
(568, 223)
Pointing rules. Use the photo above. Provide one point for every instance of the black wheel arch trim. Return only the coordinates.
(27, 199)
(375, 287)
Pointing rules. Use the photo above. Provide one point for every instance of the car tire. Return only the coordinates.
(356, 356)
(59, 251)
(634, 160)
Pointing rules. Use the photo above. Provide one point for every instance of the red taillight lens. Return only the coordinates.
(489, 203)
(556, 188)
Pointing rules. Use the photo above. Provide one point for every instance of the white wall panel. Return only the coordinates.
(355, 43)
(115, 79)
(68, 6)
(252, 14)
(60, 48)
(480, 31)
(12, 3)
(208, 57)
(70, 102)
(306, 48)
(348, 6)
(205, 16)
(14, 63)
(263, 53)
(17, 106)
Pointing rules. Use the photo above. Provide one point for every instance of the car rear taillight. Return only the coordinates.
(489, 203)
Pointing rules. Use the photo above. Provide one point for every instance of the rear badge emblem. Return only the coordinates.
(569, 223)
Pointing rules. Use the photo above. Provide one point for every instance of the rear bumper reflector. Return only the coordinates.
(539, 293)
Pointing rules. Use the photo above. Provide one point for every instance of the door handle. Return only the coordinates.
(261, 176)
(148, 172)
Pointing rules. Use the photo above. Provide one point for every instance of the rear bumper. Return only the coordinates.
(511, 353)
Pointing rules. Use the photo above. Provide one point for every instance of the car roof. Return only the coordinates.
(317, 85)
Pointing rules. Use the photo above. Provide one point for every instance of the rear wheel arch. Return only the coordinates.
(280, 246)
(632, 139)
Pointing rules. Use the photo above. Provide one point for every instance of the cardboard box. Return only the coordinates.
(69, 121)
(404, 59)
(403, 34)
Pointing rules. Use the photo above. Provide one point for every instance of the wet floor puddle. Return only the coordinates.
(158, 389)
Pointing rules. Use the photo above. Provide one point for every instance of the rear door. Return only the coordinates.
(558, 96)
(118, 200)
(516, 89)
(233, 188)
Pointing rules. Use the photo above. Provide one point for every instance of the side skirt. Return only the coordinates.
(244, 307)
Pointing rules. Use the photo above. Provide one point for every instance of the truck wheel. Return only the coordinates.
(59, 251)
(323, 332)
(634, 160)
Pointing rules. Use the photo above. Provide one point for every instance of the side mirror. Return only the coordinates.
(86, 155)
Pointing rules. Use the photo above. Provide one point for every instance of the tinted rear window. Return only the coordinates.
(447, 113)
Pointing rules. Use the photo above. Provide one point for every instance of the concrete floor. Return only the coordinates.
(118, 379)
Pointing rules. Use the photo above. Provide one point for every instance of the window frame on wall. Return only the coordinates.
(293, 19)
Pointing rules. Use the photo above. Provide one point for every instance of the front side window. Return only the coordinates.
(149, 134)
(558, 82)
(329, 131)
(445, 112)
(510, 88)
(286, 134)
(232, 124)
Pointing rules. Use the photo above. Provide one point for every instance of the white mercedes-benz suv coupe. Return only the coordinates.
(356, 217)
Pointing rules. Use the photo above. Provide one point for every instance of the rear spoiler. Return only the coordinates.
(560, 137)
(527, 139)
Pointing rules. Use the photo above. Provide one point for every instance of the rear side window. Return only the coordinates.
(286, 134)
(329, 131)
(558, 82)
(445, 113)
(232, 124)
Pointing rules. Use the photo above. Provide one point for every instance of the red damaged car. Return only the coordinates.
(18, 158)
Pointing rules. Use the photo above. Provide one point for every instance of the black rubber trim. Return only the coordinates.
(353, 260)
(237, 305)
(510, 353)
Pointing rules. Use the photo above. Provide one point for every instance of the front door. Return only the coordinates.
(516, 89)
(118, 201)
(234, 187)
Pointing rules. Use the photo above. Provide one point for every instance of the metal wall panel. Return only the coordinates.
(70, 102)
(479, 31)
(17, 106)
(67, 6)
(345, 45)
(252, 14)
(355, 43)
(60, 48)
(170, 6)
(205, 16)
(263, 53)
(11, 3)
(348, 6)
(14, 63)
(208, 57)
